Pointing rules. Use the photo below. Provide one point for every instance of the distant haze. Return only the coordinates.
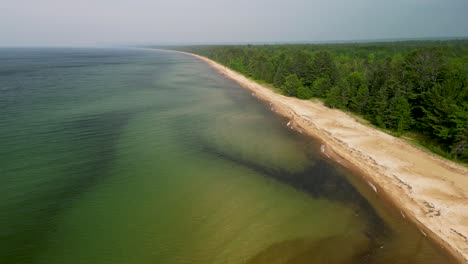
(117, 22)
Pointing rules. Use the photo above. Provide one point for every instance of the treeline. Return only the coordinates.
(414, 87)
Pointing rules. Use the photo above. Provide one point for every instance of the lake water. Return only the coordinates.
(139, 156)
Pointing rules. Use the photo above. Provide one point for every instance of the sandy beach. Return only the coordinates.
(429, 190)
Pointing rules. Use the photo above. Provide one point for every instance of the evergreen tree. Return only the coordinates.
(333, 98)
(304, 92)
(291, 85)
(320, 87)
(378, 106)
(399, 114)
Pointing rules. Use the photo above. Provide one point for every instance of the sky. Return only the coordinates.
(129, 22)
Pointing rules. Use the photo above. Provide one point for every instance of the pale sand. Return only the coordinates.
(429, 190)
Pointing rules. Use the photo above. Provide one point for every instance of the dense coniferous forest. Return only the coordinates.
(412, 88)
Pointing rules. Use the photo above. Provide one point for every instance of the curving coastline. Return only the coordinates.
(429, 190)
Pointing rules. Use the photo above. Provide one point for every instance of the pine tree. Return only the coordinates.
(333, 98)
(291, 85)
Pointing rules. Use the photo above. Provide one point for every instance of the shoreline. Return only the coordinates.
(428, 190)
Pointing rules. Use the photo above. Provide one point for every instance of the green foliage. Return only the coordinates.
(304, 92)
(460, 146)
(415, 86)
(291, 85)
(357, 92)
(334, 98)
(324, 66)
(398, 114)
(320, 87)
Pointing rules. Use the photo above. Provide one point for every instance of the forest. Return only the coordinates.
(414, 89)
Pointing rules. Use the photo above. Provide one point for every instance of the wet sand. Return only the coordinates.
(429, 190)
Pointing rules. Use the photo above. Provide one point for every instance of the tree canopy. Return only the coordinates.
(411, 86)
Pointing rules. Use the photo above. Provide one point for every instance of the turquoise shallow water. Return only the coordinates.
(138, 156)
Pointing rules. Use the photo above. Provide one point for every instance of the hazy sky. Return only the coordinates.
(91, 22)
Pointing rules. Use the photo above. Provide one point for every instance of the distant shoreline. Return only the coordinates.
(428, 189)
(168, 45)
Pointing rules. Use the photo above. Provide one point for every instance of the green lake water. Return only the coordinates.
(139, 156)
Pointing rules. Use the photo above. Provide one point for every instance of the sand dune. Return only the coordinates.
(429, 190)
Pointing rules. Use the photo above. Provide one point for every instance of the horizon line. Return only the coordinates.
(216, 43)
